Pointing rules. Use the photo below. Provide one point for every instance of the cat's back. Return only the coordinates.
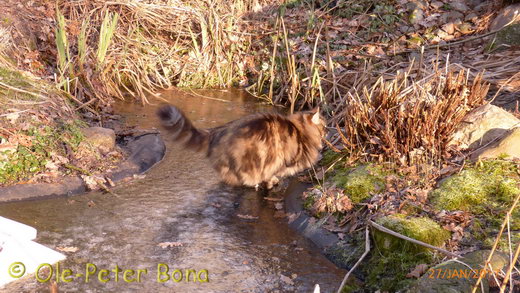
(260, 127)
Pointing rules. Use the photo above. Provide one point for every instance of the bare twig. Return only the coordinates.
(497, 240)
(367, 250)
(393, 233)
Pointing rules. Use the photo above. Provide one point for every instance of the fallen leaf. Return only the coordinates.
(12, 117)
(67, 248)
(169, 244)
(418, 271)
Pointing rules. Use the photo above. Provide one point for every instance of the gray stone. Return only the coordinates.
(472, 16)
(459, 6)
(505, 16)
(475, 3)
(416, 16)
(481, 7)
(437, 4)
(509, 36)
(451, 16)
(483, 125)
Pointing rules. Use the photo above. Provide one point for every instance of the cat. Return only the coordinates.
(256, 149)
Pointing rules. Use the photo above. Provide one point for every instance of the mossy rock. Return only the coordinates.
(488, 188)
(361, 182)
(420, 228)
(508, 36)
(387, 273)
(451, 276)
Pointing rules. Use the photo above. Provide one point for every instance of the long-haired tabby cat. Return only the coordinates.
(259, 148)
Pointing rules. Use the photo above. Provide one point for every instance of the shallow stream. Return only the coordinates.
(181, 203)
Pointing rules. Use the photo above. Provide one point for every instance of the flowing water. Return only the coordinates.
(181, 203)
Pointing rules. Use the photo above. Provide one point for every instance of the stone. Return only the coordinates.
(104, 139)
(451, 276)
(508, 145)
(465, 28)
(459, 6)
(471, 17)
(481, 7)
(416, 16)
(451, 16)
(420, 228)
(436, 4)
(483, 125)
(509, 36)
(441, 34)
(449, 28)
(506, 15)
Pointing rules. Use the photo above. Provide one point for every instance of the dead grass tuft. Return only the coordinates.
(407, 121)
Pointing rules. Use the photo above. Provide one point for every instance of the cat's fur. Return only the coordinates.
(254, 149)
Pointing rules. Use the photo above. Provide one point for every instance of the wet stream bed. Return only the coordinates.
(177, 215)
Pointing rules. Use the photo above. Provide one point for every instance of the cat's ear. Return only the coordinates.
(316, 116)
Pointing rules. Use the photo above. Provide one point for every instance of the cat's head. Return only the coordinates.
(314, 121)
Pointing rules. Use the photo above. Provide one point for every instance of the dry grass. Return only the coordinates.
(157, 44)
(407, 121)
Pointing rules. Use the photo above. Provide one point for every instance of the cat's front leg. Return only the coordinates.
(272, 182)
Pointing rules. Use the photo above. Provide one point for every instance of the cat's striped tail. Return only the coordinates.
(177, 123)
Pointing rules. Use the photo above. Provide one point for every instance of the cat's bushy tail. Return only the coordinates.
(176, 122)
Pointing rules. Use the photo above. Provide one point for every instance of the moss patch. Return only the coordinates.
(35, 148)
(394, 258)
(420, 228)
(329, 157)
(361, 182)
(487, 189)
(387, 273)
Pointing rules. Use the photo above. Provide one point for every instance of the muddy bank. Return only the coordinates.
(145, 151)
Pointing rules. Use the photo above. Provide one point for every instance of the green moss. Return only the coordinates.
(419, 228)
(309, 201)
(461, 192)
(387, 273)
(487, 190)
(28, 160)
(329, 157)
(492, 183)
(489, 183)
(510, 35)
(394, 258)
(361, 182)
(17, 80)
